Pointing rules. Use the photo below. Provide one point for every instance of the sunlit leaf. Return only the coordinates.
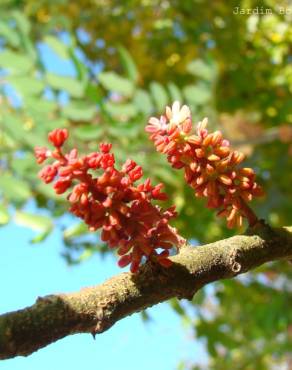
(197, 94)
(14, 189)
(175, 92)
(93, 93)
(75, 231)
(71, 85)
(4, 215)
(143, 101)
(15, 62)
(33, 221)
(177, 306)
(26, 85)
(128, 64)
(115, 83)
(124, 131)
(159, 95)
(22, 22)
(88, 132)
(17, 129)
(9, 34)
(24, 166)
(40, 223)
(79, 110)
(58, 46)
(121, 110)
(80, 67)
(40, 107)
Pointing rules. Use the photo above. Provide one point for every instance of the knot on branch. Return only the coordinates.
(234, 264)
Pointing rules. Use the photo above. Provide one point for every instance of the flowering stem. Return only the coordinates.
(248, 213)
(211, 167)
(112, 201)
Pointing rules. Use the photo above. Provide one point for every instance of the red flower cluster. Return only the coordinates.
(112, 202)
(211, 167)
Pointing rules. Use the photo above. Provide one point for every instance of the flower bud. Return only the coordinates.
(58, 136)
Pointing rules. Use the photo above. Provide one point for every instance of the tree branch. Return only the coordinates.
(96, 309)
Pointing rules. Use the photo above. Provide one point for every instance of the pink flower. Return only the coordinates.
(62, 185)
(178, 115)
(211, 167)
(111, 201)
(128, 166)
(48, 173)
(41, 154)
(58, 136)
(105, 147)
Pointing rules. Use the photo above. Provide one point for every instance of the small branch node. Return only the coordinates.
(236, 267)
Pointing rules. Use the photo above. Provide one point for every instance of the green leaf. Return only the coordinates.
(113, 82)
(124, 131)
(128, 64)
(177, 306)
(9, 34)
(13, 188)
(145, 316)
(40, 237)
(93, 93)
(79, 111)
(23, 27)
(22, 22)
(6, 142)
(85, 255)
(202, 69)
(159, 95)
(143, 101)
(75, 231)
(197, 94)
(88, 132)
(25, 166)
(26, 85)
(175, 92)
(74, 87)
(80, 67)
(39, 107)
(57, 46)
(14, 125)
(199, 297)
(35, 222)
(15, 62)
(4, 215)
(126, 110)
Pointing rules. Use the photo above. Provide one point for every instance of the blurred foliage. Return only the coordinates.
(101, 68)
(246, 321)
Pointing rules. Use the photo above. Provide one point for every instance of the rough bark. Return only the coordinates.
(96, 309)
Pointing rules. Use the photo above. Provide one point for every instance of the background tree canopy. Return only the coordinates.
(101, 68)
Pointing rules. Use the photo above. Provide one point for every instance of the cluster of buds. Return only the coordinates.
(211, 167)
(107, 198)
